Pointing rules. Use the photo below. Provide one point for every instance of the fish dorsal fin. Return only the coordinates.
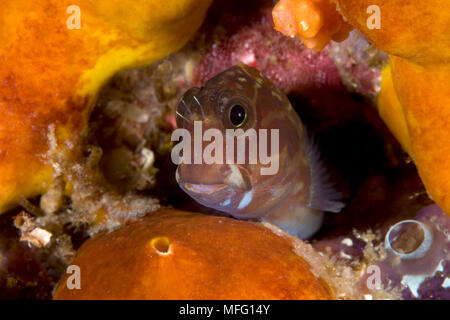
(323, 196)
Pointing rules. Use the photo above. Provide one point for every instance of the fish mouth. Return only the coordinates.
(201, 189)
(238, 180)
(209, 195)
(222, 195)
(206, 189)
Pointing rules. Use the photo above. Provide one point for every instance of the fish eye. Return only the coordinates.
(237, 115)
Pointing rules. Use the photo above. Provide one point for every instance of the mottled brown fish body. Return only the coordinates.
(240, 189)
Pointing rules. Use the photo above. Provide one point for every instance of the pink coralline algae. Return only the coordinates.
(285, 61)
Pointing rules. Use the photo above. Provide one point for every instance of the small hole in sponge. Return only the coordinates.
(161, 245)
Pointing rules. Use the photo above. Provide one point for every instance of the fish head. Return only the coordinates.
(238, 105)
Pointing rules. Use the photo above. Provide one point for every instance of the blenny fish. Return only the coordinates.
(296, 196)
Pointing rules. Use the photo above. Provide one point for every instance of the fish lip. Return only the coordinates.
(206, 189)
(200, 188)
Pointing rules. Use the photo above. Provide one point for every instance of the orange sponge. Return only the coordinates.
(180, 255)
(415, 91)
(414, 30)
(316, 22)
(54, 57)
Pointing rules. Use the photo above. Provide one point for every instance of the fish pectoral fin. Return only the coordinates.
(329, 206)
(323, 196)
